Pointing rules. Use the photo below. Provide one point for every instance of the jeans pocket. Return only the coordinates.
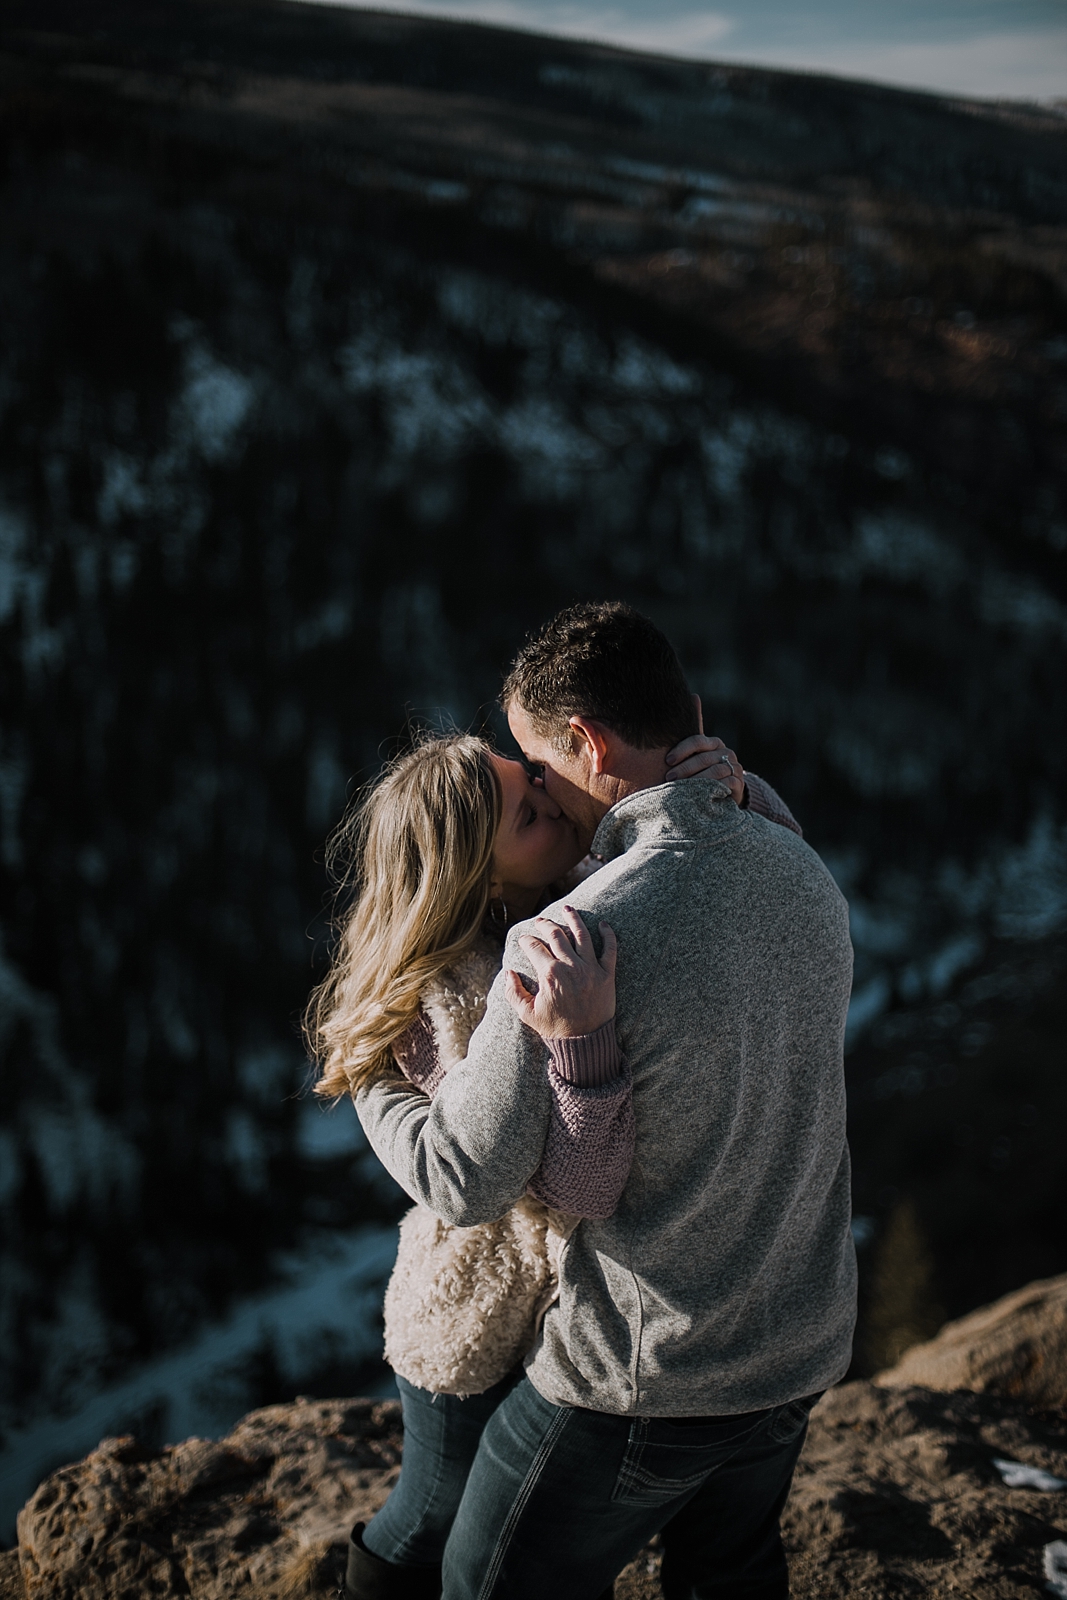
(786, 1422)
(652, 1474)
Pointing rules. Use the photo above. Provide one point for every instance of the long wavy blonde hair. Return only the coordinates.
(417, 850)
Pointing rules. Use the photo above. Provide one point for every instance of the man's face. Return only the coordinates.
(569, 778)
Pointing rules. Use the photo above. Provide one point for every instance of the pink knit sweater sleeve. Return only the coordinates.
(415, 1053)
(767, 802)
(590, 1144)
(591, 1133)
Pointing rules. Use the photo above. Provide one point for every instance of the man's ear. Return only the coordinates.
(591, 739)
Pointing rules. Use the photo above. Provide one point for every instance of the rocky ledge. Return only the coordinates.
(897, 1492)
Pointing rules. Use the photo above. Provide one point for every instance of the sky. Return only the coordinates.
(1013, 49)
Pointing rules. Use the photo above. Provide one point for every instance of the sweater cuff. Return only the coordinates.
(588, 1060)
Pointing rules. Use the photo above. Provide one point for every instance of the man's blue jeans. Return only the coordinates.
(558, 1500)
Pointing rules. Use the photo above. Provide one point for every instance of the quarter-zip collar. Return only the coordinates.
(675, 811)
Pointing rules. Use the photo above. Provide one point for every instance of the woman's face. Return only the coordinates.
(535, 843)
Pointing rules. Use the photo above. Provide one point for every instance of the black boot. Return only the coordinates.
(368, 1577)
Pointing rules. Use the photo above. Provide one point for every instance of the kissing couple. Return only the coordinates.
(590, 1007)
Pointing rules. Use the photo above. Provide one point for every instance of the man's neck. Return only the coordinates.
(632, 771)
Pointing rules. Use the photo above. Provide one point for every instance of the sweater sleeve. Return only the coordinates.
(767, 802)
(591, 1133)
(590, 1144)
(415, 1053)
(469, 1153)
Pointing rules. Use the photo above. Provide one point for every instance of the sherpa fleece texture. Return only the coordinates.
(463, 1304)
(725, 1280)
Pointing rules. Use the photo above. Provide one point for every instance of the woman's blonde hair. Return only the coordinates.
(417, 849)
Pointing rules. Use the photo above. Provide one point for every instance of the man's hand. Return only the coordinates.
(575, 990)
(700, 753)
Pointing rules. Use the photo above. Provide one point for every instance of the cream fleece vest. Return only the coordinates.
(464, 1305)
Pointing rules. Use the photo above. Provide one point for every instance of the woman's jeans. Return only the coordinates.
(441, 1438)
(557, 1500)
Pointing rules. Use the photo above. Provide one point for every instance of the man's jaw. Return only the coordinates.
(582, 810)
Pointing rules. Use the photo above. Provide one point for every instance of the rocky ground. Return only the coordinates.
(265, 1510)
(896, 1494)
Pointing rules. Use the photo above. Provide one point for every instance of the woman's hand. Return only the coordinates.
(575, 990)
(701, 753)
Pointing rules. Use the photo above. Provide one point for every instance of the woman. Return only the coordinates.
(452, 844)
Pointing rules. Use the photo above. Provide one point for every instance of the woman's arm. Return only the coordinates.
(767, 802)
(417, 1056)
(590, 1143)
(591, 1133)
(701, 754)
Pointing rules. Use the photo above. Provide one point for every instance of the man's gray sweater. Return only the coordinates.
(725, 1281)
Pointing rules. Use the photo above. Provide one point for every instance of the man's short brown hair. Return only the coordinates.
(605, 661)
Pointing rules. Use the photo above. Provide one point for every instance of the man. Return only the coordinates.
(670, 1386)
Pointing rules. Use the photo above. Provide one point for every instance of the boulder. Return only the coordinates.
(262, 1512)
(1016, 1347)
(11, 1585)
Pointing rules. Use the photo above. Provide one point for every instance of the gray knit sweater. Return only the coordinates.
(725, 1279)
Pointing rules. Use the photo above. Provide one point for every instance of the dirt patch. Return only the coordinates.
(896, 1494)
